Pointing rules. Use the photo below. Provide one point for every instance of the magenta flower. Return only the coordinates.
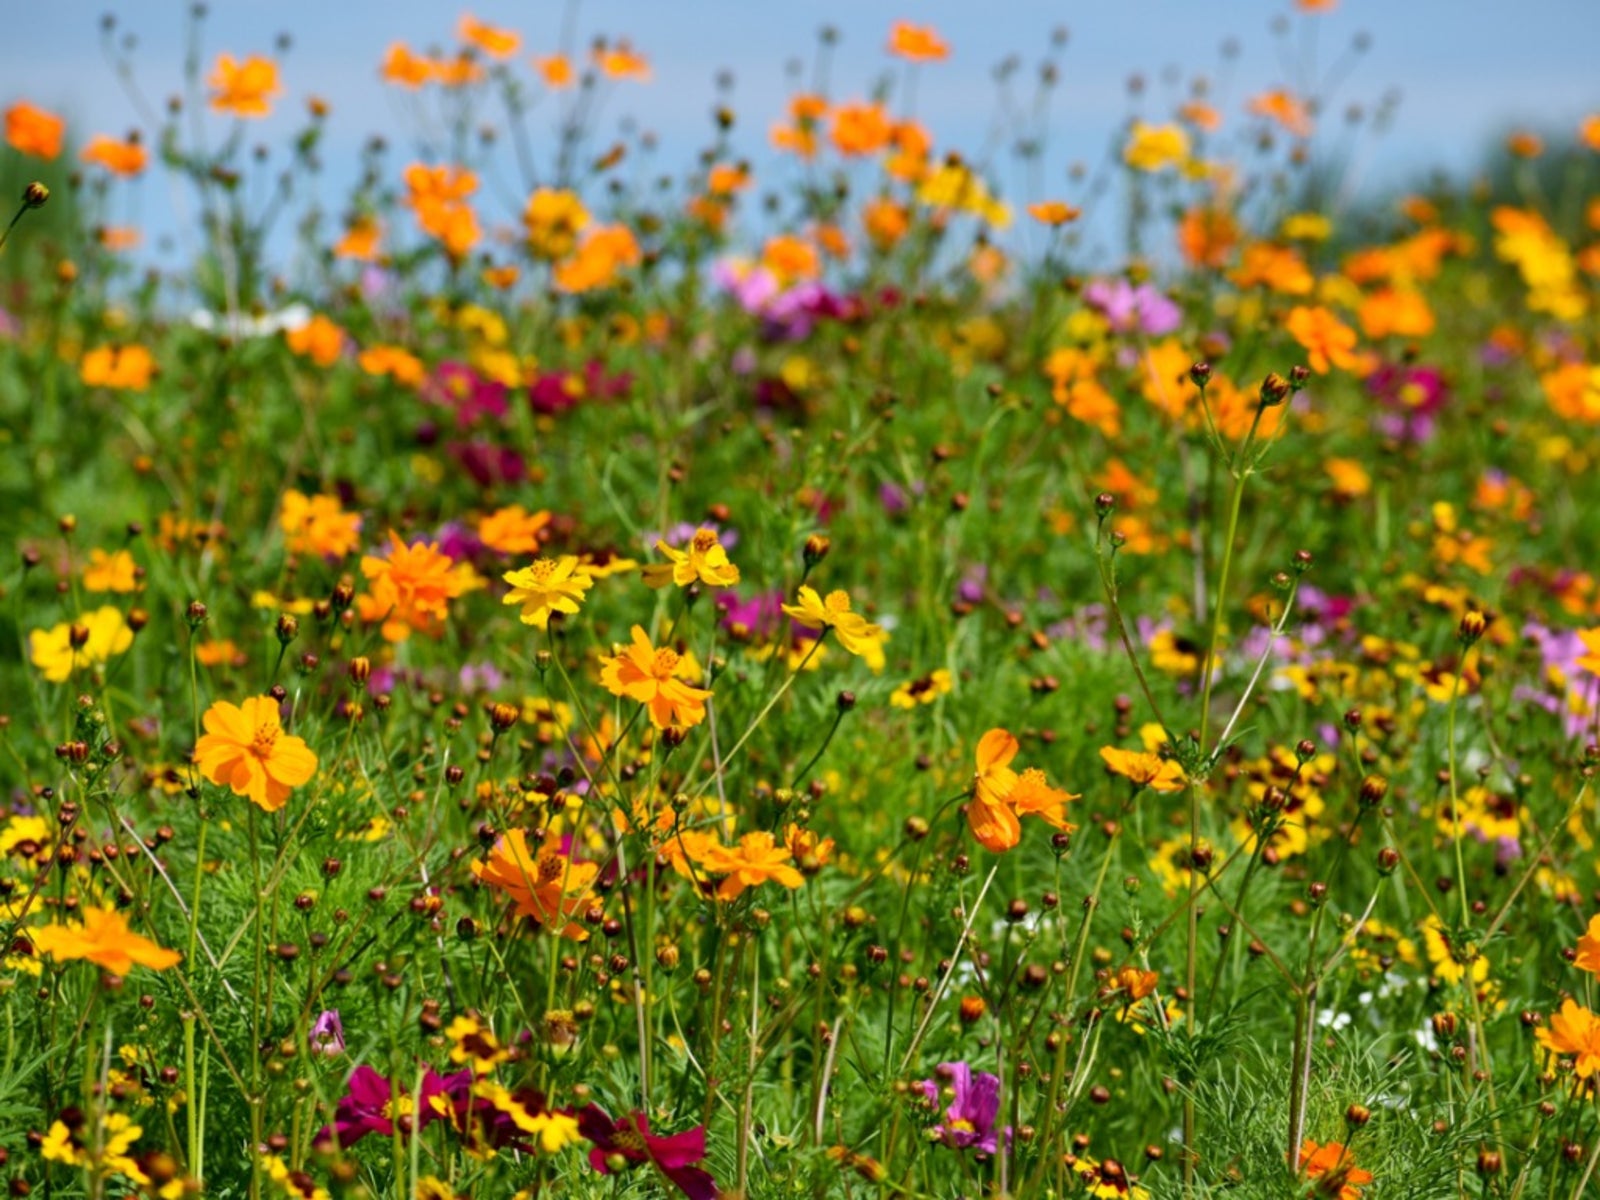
(327, 1034)
(457, 386)
(628, 1142)
(969, 1122)
(1413, 396)
(375, 1105)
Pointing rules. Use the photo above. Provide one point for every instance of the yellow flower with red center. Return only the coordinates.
(549, 586)
(126, 367)
(704, 561)
(411, 589)
(318, 525)
(104, 939)
(924, 690)
(32, 131)
(547, 887)
(853, 631)
(641, 672)
(245, 89)
(245, 749)
(472, 1042)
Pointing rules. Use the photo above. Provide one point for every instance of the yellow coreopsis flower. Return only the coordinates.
(550, 585)
(1152, 147)
(93, 638)
(704, 561)
(854, 632)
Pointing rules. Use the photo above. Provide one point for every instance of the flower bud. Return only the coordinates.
(288, 628)
(1373, 789)
(1473, 624)
(35, 195)
(195, 614)
(360, 670)
(815, 550)
(503, 717)
(1200, 374)
(1275, 390)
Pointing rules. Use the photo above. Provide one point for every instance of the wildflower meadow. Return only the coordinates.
(841, 664)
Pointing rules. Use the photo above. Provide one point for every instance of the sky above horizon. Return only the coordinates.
(1465, 71)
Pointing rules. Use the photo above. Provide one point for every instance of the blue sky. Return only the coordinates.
(1465, 70)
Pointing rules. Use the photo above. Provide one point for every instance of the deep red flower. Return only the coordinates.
(628, 1142)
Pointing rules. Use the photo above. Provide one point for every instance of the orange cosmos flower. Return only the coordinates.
(411, 589)
(1316, 6)
(461, 71)
(800, 136)
(105, 940)
(1136, 983)
(1573, 391)
(1334, 1168)
(128, 367)
(1328, 341)
(360, 240)
(1053, 212)
(556, 71)
(860, 129)
(885, 222)
(757, 859)
(245, 89)
(1286, 109)
(641, 672)
(1574, 1033)
(397, 364)
(120, 158)
(917, 43)
(1588, 956)
(513, 529)
(1395, 312)
(1277, 267)
(725, 179)
(111, 572)
(547, 888)
(1001, 796)
(910, 145)
(603, 254)
(1145, 770)
(496, 43)
(319, 339)
(318, 525)
(438, 197)
(406, 69)
(1202, 116)
(1207, 236)
(33, 131)
(790, 258)
(621, 61)
(245, 749)
(705, 561)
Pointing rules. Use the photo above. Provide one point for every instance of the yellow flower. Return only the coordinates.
(93, 638)
(105, 940)
(245, 748)
(641, 672)
(115, 572)
(922, 691)
(318, 525)
(1152, 147)
(550, 585)
(853, 631)
(475, 1044)
(1144, 769)
(705, 560)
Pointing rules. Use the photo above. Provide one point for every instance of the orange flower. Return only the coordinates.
(319, 339)
(757, 859)
(725, 179)
(129, 367)
(496, 43)
(1001, 797)
(556, 71)
(411, 589)
(1145, 770)
(1136, 983)
(1574, 1033)
(246, 88)
(604, 253)
(1276, 267)
(885, 222)
(438, 197)
(1588, 956)
(33, 131)
(547, 888)
(458, 72)
(1207, 236)
(917, 43)
(1286, 109)
(641, 672)
(1328, 341)
(1573, 391)
(120, 158)
(860, 129)
(1589, 132)
(790, 258)
(1332, 1164)
(318, 525)
(360, 240)
(513, 529)
(245, 749)
(800, 136)
(406, 69)
(400, 365)
(105, 940)
(621, 61)
(1395, 312)
(1054, 212)
(111, 572)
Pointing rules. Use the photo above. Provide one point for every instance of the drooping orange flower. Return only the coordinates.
(245, 89)
(105, 940)
(1332, 1165)
(1588, 956)
(245, 749)
(1285, 108)
(548, 887)
(641, 672)
(597, 262)
(1328, 341)
(405, 69)
(619, 60)
(917, 43)
(493, 41)
(319, 339)
(463, 70)
(127, 367)
(410, 590)
(318, 525)
(33, 131)
(125, 158)
(1144, 769)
